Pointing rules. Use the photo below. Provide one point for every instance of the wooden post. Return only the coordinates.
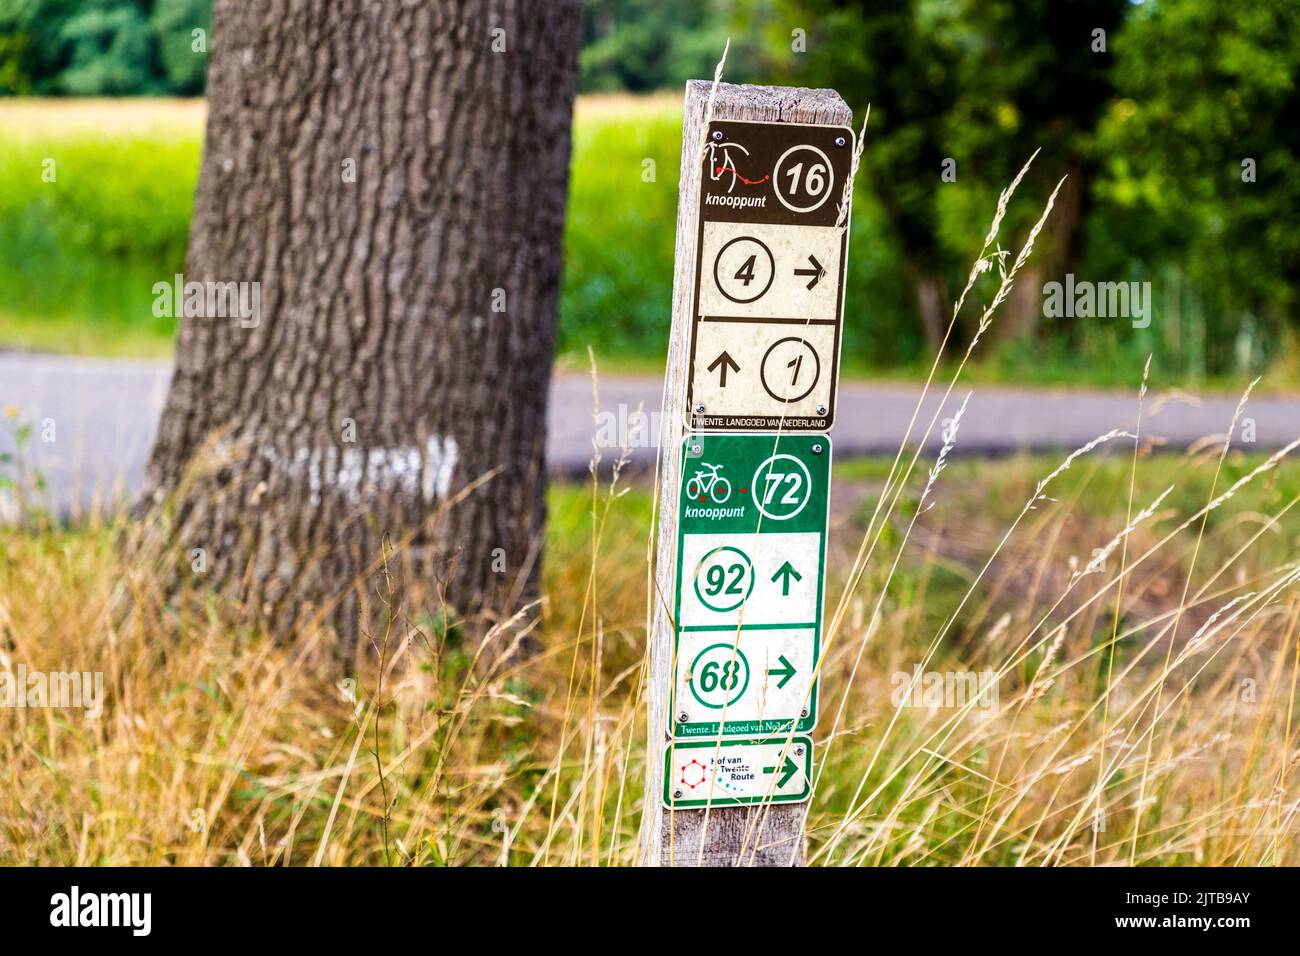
(768, 835)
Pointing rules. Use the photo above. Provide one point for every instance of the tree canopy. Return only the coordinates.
(1173, 121)
(103, 47)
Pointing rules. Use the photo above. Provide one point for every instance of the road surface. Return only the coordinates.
(104, 412)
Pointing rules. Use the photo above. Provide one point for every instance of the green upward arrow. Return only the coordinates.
(785, 572)
(786, 671)
(789, 769)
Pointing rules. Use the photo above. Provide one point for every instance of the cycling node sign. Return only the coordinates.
(700, 773)
(750, 579)
(769, 277)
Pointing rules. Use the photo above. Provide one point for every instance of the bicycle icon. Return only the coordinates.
(707, 481)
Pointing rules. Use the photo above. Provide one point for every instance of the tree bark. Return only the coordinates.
(931, 307)
(393, 175)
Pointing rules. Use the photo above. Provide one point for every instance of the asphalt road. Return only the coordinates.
(105, 411)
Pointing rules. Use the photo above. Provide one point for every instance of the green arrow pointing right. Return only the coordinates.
(788, 770)
(785, 671)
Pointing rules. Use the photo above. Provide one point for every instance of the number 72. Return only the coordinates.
(775, 479)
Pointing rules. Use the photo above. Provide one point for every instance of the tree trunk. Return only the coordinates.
(932, 309)
(393, 175)
(1056, 255)
(1023, 306)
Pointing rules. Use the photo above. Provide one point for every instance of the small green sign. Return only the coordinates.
(726, 773)
(751, 554)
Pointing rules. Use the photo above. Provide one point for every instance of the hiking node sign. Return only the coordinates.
(751, 556)
(769, 277)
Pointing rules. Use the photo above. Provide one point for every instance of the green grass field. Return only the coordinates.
(79, 254)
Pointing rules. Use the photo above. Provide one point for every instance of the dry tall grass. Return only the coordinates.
(225, 748)
(1143, 641)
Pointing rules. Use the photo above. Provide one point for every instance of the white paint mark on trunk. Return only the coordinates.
(367, 473)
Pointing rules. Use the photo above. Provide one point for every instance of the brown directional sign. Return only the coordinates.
(769, 287)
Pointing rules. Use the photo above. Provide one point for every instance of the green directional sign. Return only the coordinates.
(751, 556)
(699, 773)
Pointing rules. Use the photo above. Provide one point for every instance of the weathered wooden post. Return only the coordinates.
(762, 241)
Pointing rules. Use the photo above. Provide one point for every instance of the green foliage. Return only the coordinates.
(644, 45)
(973, 88)
(183, 54)
(31, 49)
(109, 50)
(102, 47)
(1207, 89)
(884, 59)
(134, 47)
(1151, 132)
(620, 233)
